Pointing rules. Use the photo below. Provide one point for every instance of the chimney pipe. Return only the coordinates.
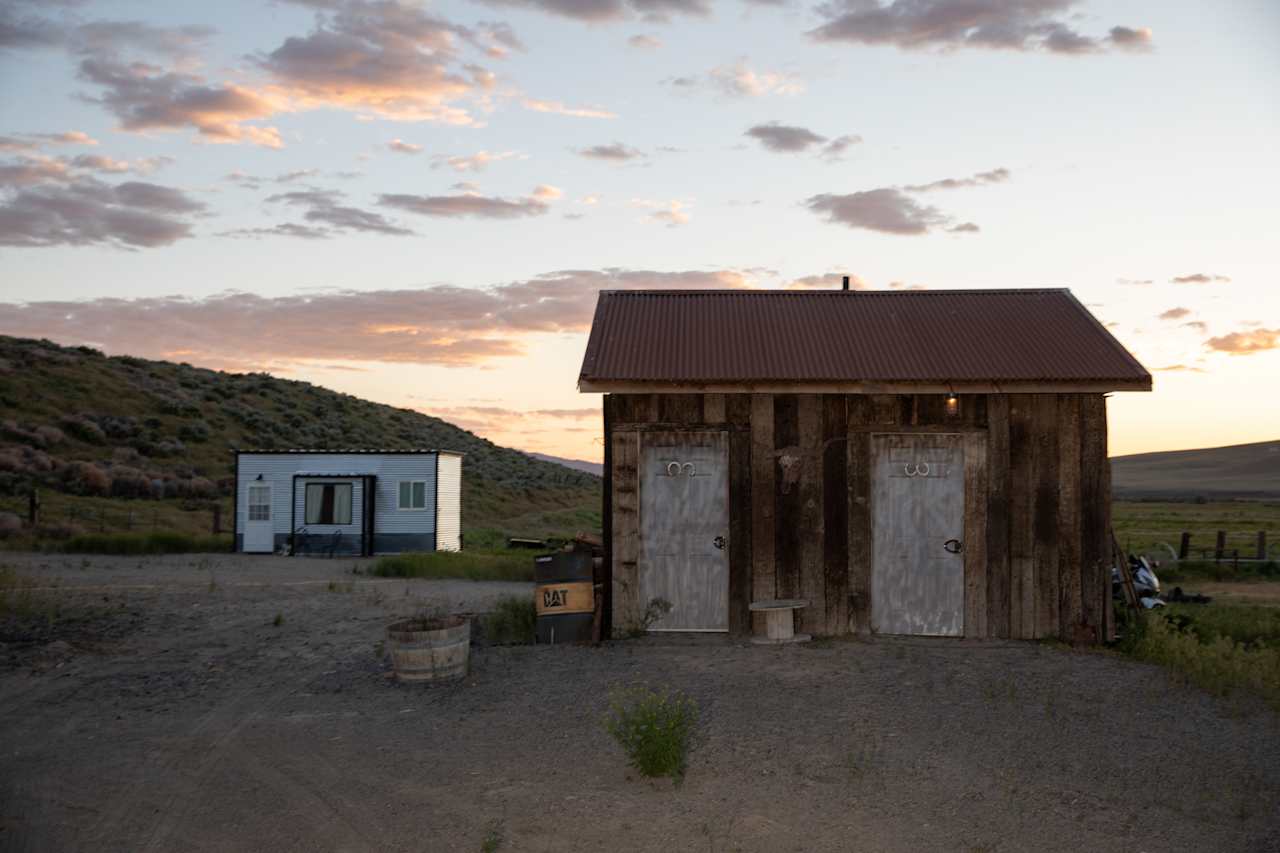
(846, 283)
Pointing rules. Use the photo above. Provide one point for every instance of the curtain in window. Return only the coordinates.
(315, 502)
(341, 513)
(419, 495)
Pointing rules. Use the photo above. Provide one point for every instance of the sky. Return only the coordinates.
(417, 203)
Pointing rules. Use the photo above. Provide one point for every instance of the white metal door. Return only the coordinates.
(259, 526)
(684, 530)
(917, 575)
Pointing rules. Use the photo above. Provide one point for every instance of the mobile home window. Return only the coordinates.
(328, 503)
(413, 494)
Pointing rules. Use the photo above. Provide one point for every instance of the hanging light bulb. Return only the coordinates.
(953, 405)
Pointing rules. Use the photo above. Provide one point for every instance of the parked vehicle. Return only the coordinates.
(1145, 582)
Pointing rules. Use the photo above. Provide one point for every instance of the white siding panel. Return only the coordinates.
(279, 469)
(449, 511)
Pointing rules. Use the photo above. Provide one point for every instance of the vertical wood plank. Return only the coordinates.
(835, 511)
(713, 409)
(1103, 578)
(626, 531)
(763, 574)
(680, 409)
(604, 578)
(999, 584)
(737, 408)
(1095, 544)
(740, 524)
(1069, 599)
(975, 535)
(858, 459)
(1022, 604)
(888, 409)
(812, 580)
(1045, 513)
(788, 466)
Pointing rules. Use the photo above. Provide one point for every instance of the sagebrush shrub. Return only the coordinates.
(654, 729)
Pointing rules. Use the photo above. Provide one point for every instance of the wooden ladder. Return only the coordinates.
(1121, 559)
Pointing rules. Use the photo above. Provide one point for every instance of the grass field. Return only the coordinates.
(1146, 527)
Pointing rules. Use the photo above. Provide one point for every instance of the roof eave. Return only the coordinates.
(1082, 386)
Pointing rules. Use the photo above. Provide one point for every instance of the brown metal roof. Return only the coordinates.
(928, 337)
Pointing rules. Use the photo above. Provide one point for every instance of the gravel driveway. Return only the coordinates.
(171, 712)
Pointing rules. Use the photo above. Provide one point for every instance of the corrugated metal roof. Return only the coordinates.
(928, 336)
(389, 452)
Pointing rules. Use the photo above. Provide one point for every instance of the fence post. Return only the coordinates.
(128, 525)
(1221, 546)
(217, 519)
(1262, 544)
(102, 520)
(1184, 547)
(33, 508)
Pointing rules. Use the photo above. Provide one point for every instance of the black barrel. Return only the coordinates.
(564, 597)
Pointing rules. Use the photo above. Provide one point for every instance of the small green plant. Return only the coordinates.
(476, 565)
(493, 838)
(279, 620)
(654, 729)
(341, 586)
(511, 622)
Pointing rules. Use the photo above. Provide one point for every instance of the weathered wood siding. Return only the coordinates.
(1036, 520)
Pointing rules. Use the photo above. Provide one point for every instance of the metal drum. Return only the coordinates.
(564, 597)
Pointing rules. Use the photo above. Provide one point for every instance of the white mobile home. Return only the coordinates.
(348, 502)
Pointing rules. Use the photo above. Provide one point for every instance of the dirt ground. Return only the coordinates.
(170, 712)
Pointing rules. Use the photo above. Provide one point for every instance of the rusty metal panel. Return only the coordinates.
(917, 575)
(934, 336)
(684, 529)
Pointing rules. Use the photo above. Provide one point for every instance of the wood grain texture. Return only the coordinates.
(917, 500)
(812, 581)
(684, 527)
(626, 532)
(713, 408)
(738, 411)
(1070, 602)
(604, 574)
(999, 583)
(789, 464)
(835, 512)
(1044, 520)
(681, 409)
(975, 535)
(887, 409)
(763, 575)
(1095, 534)
(858, 459)
(1022, 605)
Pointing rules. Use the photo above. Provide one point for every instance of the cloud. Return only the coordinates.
(391, 59)
(739, 80)
(786, 139)
(1198, 278)
(1175, 313)
(46, 204)
(670, 213)
(444, 324)
(599, 11)
(145, 98)
(401, 147)
(1247, 342)
(1199, 325)
(964, 228)
(616, 152)
(322, 207)
(887, 210)
(34, 141)
(1130, 38)
(473, 162)
(546, 192)
(1134, 281)
(466, 205)
(946, 25)
(284, 229)
(644, 42)
(995, 176)
(827, 281)
(1178, 368)
(559, 108)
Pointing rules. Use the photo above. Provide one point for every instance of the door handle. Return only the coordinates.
(953, 546)
(718, 542)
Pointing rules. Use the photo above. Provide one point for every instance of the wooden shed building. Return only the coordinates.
(919, 462)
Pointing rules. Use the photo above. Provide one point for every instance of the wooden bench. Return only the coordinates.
(780, 621)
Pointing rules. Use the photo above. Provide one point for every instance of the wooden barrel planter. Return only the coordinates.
(433, 650)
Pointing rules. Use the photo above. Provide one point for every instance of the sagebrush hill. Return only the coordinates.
(1237, 471)
(74, 422)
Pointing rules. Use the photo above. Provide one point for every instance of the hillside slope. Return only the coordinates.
(75, 421)
(1238, 471)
